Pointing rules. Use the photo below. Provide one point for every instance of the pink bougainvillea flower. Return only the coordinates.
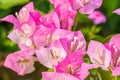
(72, 68)
(22, 37)
(36, 16)
(21, 62)
(86, 6)
(65, 12)
(22, 17)
(24, 25)
(44, 36)
(66, 15)
(75, 43)
(99, 55)
(117, 11)
(50, 57)
(97, 17)
(57, 2)
(114, 47)
(50, 20)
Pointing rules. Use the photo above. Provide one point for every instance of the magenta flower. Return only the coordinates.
(65, 12)
(117, 11)
(114, 47)
(22, 17)
(86, 6)
(72, 67)
(99, 55)
(50, 57)
(44, 36)
(97, 17)
(66, 15)
(21, 62)
(24, 25)
(75, 43)
(23, 36)
(50, 20)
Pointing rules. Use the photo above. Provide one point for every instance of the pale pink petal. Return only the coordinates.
(115, 40)
(99, 55)
(21, 62)
(116, 71)
(50, 57)
(24, 13)
(84, 70)
(97, 17)
(13, 20)
(90, 6)
(17, 37)
(42, 36)
(117, 11)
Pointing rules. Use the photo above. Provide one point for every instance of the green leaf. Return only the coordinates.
(106, 75)
(42, 5)
(5, 4)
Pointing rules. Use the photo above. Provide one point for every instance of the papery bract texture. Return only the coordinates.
(51, 56)
(73, 65)
(97, 17)
(117, 11)
(75, 43)
(99, 55)
(22, 62)
(86, 6)
(114, 47)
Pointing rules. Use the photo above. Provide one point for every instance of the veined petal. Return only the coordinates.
(13, 20)
(99, 55)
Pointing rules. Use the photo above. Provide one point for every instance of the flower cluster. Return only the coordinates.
(48, 39)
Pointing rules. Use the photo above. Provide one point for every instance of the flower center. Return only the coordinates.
(75, 45)
(70, 69)
(115, 57)
(99, 60)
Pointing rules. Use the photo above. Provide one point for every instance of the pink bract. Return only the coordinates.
(66, 15)
(50, 20)
(99, 55)
(24, 25)
(114, 47)
(117, 11)
(22, 17)
(51, 56)
(22, 62)
(75, 43)
(73, 65)
(86, 6)
(97, 17)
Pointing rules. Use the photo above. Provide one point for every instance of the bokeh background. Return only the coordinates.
(102, 33)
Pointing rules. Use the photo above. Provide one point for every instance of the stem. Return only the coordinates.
(92, 31)
(115, 78)
(99, 76)
(76, 22)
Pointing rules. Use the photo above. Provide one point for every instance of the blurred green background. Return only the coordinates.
(102, 33)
